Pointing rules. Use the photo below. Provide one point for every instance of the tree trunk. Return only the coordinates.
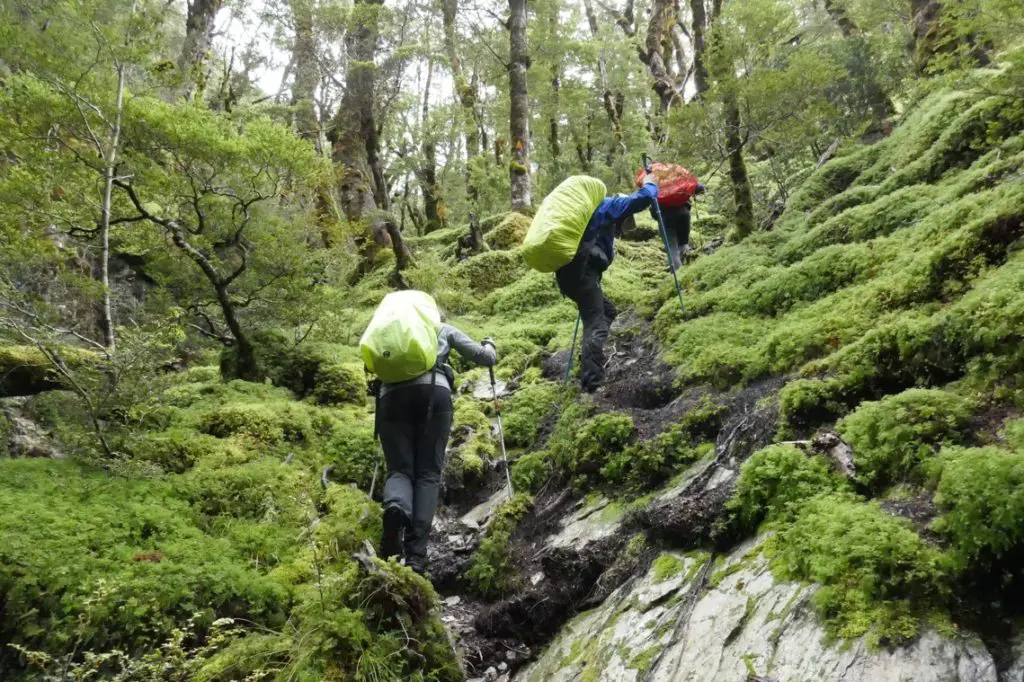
(307, 120)
(877, 99)
(613, 105)
(846, 25)
(198, 34)
(700, 71)
(738, 168)
(109, 170)
(307, 73)
(467, 92)
(934, 38)
(654, 53)
(428, 169)
(554, 144)
(353, 134)
(519, 108)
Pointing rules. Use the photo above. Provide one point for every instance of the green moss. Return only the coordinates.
(667, 566)
(776, 481)
(509, 232)
(488, 271)
(893, 436)
(524, 410)
(878, 577)
(175, 450)
(598, 439)
(979, 493)
(531, 471)
(339, 383)
(491, 572)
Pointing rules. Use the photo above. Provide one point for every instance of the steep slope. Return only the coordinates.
(827, 445)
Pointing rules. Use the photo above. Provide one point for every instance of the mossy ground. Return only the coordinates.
(891, 292)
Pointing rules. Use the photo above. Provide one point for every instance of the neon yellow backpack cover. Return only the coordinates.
(400, 342)
(558, 227)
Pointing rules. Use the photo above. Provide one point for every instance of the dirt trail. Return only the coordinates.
(496, 639)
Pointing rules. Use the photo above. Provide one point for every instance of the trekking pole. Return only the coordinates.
(376, 469)
(572, 349)
(501, 431)
(664, 238)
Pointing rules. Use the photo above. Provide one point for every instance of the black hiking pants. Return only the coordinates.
(580, 281)
(414, 447)
(677, 230)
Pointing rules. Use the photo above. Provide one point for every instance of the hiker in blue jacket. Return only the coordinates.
(580, 279)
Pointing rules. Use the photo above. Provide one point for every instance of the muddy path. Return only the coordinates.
(560, 577)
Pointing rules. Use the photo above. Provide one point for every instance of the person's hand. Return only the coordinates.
(489, 342)
(649, 177)
(700, 188)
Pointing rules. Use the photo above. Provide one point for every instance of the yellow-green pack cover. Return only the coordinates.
(558, 227)
(401, 341)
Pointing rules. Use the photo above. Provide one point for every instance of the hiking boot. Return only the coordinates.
(418, 564)
(395, 522)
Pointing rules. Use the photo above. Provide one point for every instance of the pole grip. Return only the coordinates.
(647, 163)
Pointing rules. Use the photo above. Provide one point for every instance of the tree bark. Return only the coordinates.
(700, 70)
(519, 108)
(428, 168)
(198, 35)
(353, 134)
(847, 26)
(467, 92)
(738, 168)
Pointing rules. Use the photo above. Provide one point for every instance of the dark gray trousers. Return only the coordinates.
(414, 436)
(580, 281)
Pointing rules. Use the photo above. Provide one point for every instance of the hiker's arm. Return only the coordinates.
(481, 354)
(619, 207)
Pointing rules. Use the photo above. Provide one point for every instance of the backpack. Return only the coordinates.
(675, 184)
(400, 342)
(558, 227)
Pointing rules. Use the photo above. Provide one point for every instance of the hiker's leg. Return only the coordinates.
(683, 230)
(430, 450)
(610, 311)
(591, 302)
(397, 439)
(672, 219)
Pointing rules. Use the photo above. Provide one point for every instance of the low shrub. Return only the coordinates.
(891, 437)
(531, 471)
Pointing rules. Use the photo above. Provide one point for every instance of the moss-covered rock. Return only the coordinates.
(878, 577)
(26, 370)
(509, 232)
(893, 436)
(777, 481)
(492, 270)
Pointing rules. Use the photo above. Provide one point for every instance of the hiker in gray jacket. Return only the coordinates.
(414, 420)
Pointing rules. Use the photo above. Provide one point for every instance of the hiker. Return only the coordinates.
(677, 229)
(413, 422)
(675, 189)
(580, 279)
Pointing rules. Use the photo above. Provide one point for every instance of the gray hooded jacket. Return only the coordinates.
(447, 339)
